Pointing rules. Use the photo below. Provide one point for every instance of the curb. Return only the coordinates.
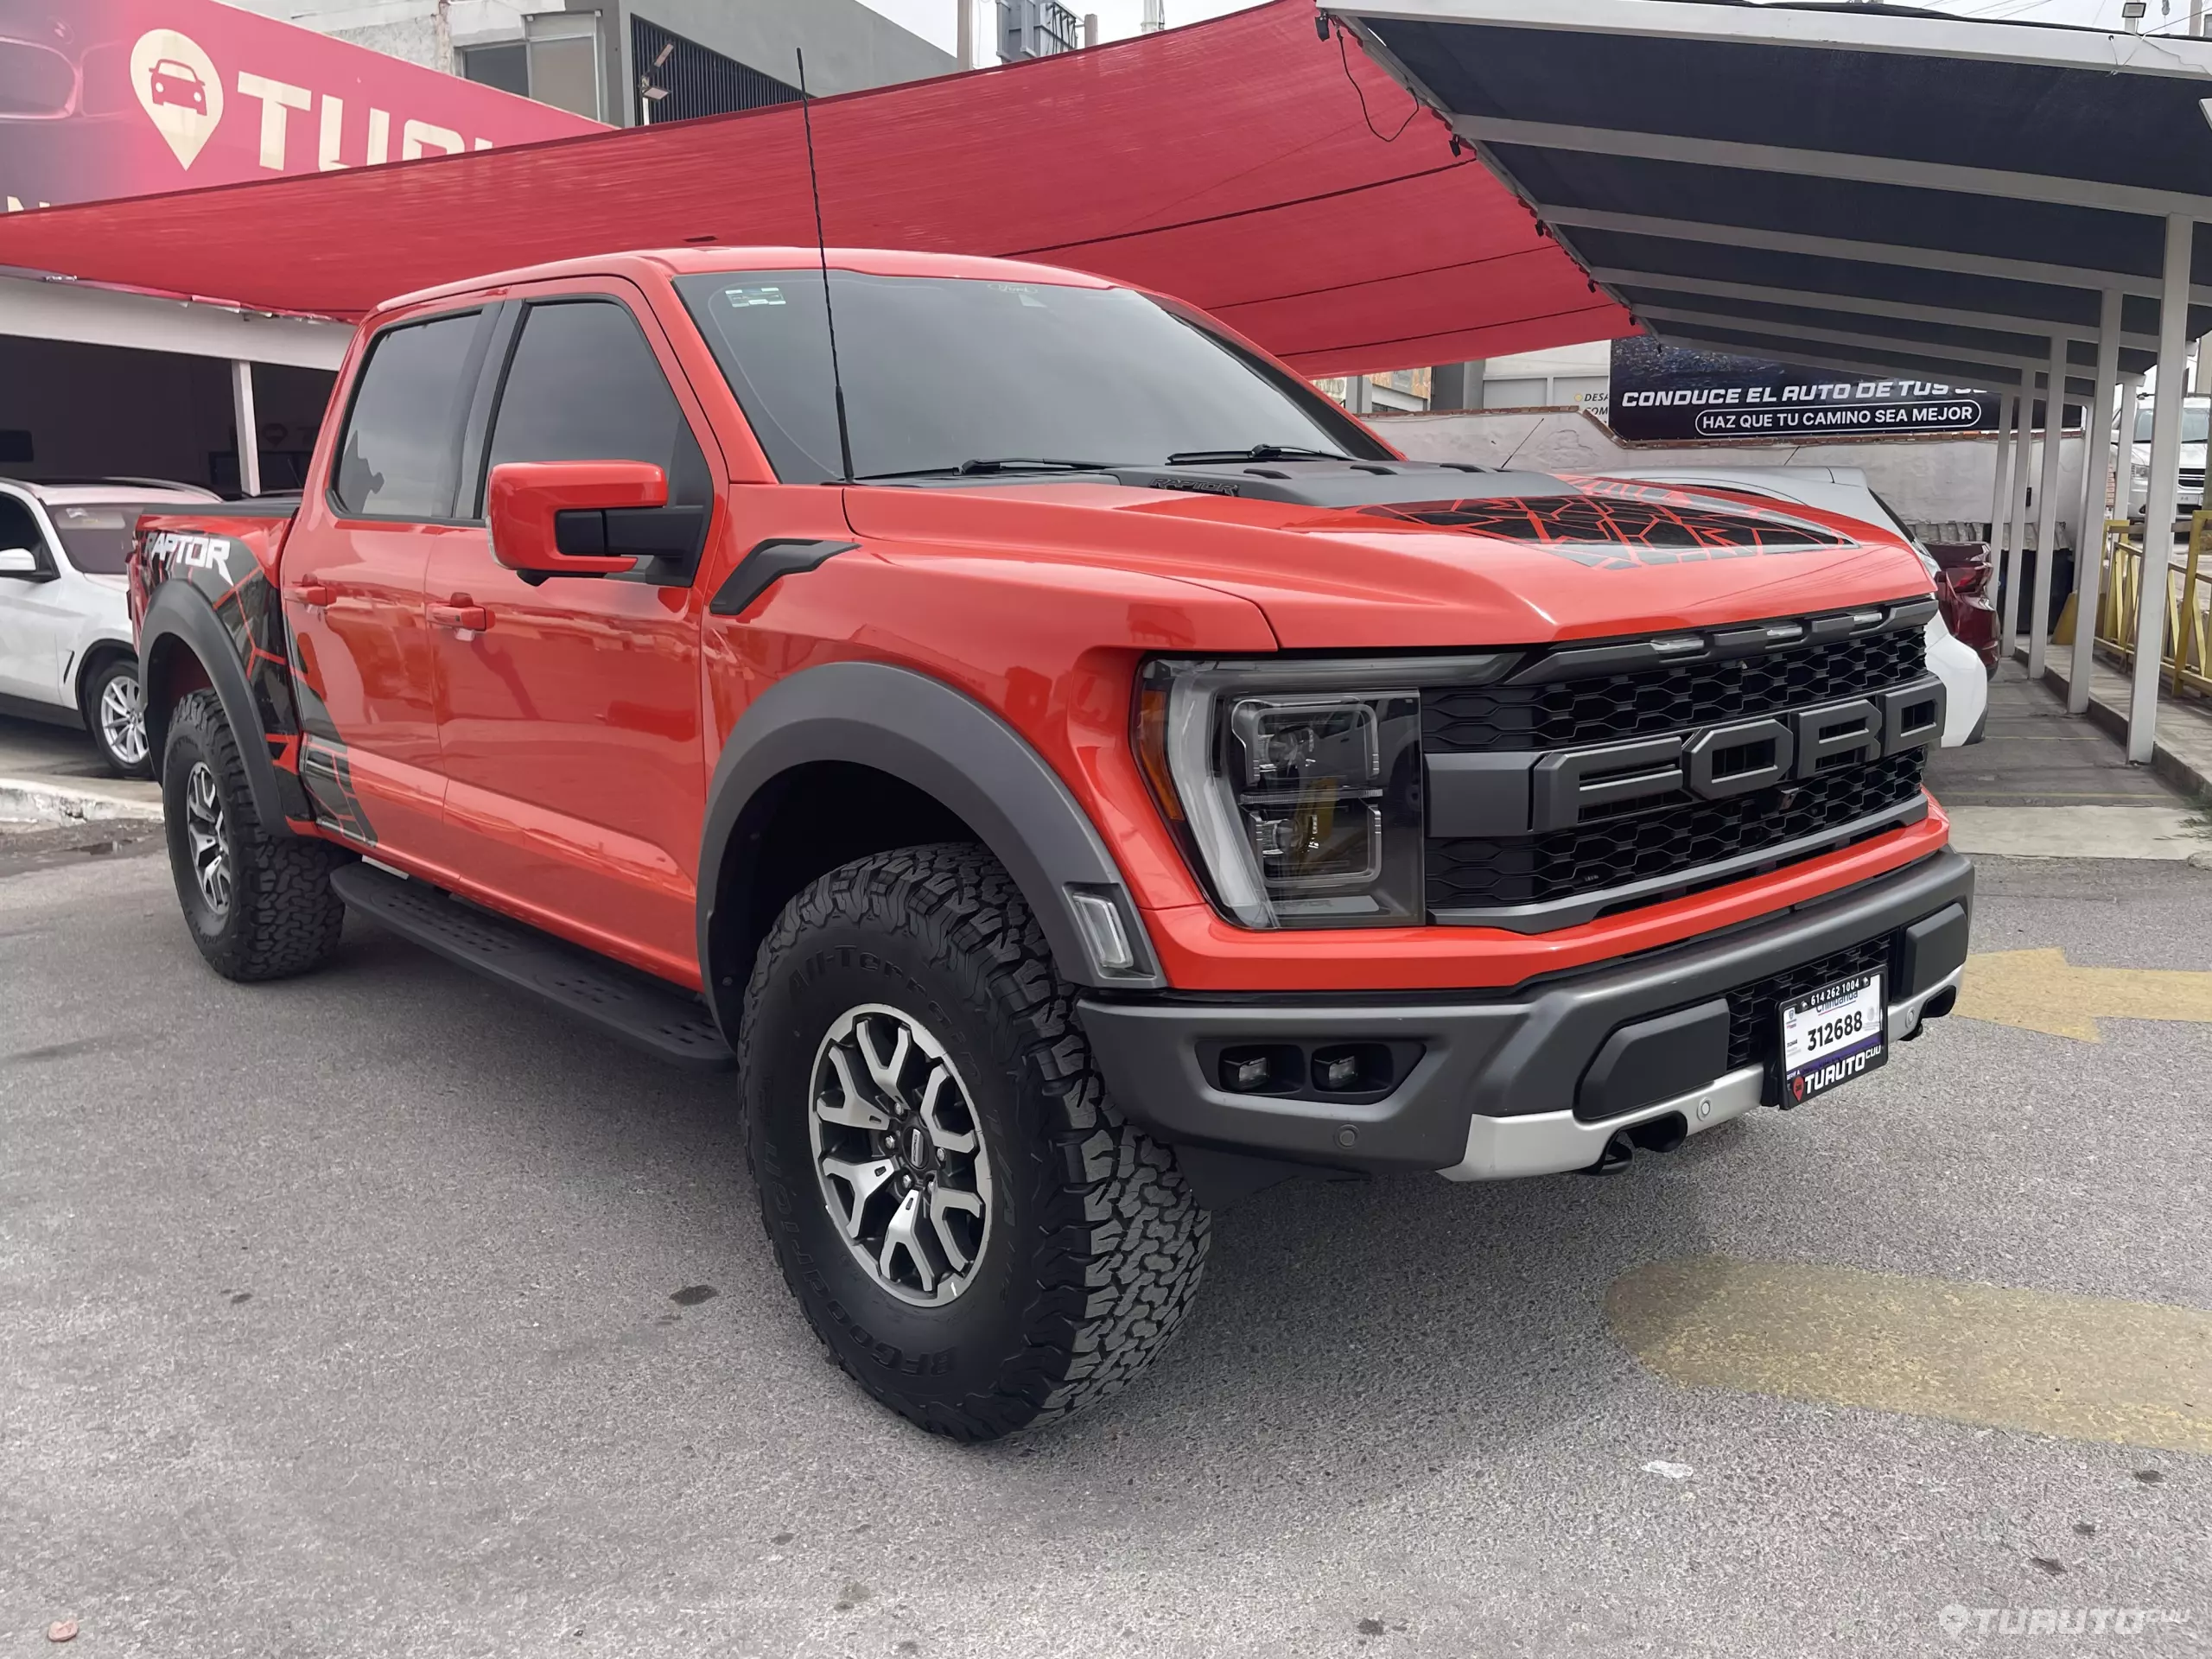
(24, 800)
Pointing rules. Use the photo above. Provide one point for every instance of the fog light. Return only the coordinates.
(1261, 1069)
(1337, 1073)
(1352, 1068)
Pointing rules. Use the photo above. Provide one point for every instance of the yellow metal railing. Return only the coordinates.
(2185, 663)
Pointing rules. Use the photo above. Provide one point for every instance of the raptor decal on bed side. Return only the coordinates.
(229, 572)
(1620, 527)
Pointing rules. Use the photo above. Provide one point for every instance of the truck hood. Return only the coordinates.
(1503, 559)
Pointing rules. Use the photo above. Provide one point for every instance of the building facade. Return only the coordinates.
(629, 65)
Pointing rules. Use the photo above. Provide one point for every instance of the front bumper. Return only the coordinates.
(1536, 1080)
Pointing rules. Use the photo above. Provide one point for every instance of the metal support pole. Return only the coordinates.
(963, 33)
(2016, 523)
(248, 424)
(2000, 484)
(2054, 435)
(2159, 503)
(2131, 399)
(2097, 456)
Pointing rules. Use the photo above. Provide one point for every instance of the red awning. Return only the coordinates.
(1232, 163)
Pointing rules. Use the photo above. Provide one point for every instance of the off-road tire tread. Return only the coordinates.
(1120, 1263)
(291, 918)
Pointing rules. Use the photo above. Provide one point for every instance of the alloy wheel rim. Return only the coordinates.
(899, 1155)
(207, 839)
(123, 719)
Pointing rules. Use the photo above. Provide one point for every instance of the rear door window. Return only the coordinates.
(400, 457)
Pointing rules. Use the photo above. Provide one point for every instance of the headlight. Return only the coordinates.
(1296, 788)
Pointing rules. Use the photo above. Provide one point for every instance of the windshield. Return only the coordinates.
(943, 370)
(96, 536)
(2195, 422)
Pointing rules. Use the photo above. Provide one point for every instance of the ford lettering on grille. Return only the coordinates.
(1598, 777)
(1575, 785)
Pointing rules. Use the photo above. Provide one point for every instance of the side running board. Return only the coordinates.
(658, 1017)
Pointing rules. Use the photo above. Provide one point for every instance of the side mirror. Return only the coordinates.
(551, 518)
(20, 562)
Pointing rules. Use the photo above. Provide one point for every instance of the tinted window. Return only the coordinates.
(584, 385)
(97, 537)
(938, 371)
(19, 526)
(401, 454)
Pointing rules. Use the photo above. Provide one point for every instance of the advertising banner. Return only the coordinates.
(124, 98)
(1671, 393)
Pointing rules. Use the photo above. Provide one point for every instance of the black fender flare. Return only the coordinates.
(179, 618)
(942, 742)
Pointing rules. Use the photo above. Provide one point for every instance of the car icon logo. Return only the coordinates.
(175, 83)
(180, 89)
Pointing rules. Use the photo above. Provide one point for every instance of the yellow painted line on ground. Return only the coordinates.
(2085, 1368)
(2040, 990)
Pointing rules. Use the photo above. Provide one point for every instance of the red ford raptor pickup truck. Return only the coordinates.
(1084, 780)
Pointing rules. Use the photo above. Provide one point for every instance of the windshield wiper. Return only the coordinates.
(997, 464)
(1257, 451)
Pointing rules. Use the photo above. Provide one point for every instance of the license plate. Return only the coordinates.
(1831, 1037)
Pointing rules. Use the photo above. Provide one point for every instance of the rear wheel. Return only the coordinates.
(259, 907)
(971, 1228)
(115, 714)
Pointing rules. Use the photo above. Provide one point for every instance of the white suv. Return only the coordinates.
(65, 652)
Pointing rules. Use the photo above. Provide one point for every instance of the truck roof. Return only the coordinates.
(881, 262)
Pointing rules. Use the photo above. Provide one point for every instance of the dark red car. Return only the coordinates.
(1964, 580)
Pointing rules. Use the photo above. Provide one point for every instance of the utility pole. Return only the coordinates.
(964, 15)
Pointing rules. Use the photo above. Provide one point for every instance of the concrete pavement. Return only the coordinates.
(343, 1317)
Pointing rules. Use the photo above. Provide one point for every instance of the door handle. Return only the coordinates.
(461, 614)
(313, 592)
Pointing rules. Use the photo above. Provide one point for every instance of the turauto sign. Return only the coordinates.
(118, 97)
(1666, 393)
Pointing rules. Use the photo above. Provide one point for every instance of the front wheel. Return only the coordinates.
(971, 1228)
(115, 714)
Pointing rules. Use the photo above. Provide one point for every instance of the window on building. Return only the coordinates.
(504, 64)
(557, 62)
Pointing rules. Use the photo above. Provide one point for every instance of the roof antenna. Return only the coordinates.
(813, 184)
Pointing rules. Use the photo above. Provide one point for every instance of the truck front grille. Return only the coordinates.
(1676, 840)
(1570, 713)
(1660, 846)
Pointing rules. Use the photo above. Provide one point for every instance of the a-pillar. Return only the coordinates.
(2159, 501)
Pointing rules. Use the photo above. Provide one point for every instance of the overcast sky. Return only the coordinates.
(933, 19)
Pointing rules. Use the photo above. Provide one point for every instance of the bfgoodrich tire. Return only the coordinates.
(258, 906)
(969, 1225)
